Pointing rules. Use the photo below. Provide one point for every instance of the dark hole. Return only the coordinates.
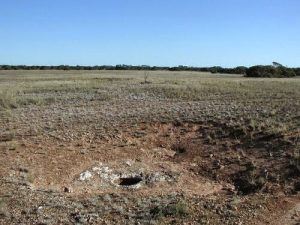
(179, 149)
(128, 181)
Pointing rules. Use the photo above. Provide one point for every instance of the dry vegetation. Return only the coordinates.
(205, 149)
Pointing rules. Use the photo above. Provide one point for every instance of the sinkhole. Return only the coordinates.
(129, 181)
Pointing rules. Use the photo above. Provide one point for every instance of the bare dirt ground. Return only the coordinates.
(106, 147)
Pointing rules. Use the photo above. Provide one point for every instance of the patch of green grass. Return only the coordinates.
(30, 178)
(3, 207)
(295, 160)
(14, 97)
(8, 98)
(178, 209)
(2, 202)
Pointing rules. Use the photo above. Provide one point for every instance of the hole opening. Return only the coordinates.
(129, 181)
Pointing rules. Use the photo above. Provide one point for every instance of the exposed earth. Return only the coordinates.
(182, 148)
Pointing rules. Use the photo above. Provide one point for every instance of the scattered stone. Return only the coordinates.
(87, 175)
(129, 163)
(107, 198)
(68, 190)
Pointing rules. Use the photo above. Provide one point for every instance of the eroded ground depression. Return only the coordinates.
(185, 148)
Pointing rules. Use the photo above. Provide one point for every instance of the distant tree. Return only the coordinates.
(240, 70)
(276, 64)
(270, 71)
(215, 69)
(297, 71)
(6, 67)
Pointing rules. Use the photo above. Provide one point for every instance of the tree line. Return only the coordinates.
(275, 70)
(216, 69)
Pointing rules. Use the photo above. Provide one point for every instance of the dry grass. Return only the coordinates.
(21, 88)
(215, 123)
(40, 88)
(14, 97)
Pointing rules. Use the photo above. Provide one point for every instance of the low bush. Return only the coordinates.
(171, 210)
(270, 71)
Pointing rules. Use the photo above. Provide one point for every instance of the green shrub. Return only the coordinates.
(270, 71)
(173, 210)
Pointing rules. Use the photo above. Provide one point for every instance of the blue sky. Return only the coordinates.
(153, 32)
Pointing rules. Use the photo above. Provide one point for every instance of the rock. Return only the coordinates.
(125, 200)
(68, 190)
(85, 176)
(107, 198)
(128, 163)
(83, 151)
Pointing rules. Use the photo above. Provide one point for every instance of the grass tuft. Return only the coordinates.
(178, 209)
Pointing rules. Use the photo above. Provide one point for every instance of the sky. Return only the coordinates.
(224, 33)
